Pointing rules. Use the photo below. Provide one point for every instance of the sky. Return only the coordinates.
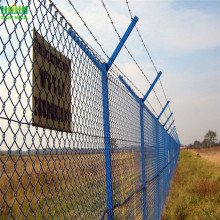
(183, 38)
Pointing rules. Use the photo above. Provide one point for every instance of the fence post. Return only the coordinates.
(105, 70)
(143, 159)
(157, 167)
(105, 104)
(108, 168)
(142, 142)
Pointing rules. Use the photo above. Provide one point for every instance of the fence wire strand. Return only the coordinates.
(112, 69)
(71, 145)
(130, 54)
(156, 70)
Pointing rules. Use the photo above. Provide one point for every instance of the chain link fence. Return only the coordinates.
(58, 157)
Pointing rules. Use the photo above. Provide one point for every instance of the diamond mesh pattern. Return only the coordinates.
(53, 143)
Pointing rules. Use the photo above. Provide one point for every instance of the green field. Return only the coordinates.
(195, 189)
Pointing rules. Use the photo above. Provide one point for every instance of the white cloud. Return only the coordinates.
(195, 102)
(179, 31)
(194, 99)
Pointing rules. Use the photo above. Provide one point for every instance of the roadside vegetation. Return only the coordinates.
(209, 140)
(209, 153)
(195, 189)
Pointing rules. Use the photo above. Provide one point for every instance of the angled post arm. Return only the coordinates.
(167, 119)
(152, 86)
(163, 110)
(121, 43)
(170, 125)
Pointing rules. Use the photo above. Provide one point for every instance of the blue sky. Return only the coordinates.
(183, 38)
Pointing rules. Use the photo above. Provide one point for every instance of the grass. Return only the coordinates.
(52, 186)
(195, 189)
(59, 186)
(209, 153)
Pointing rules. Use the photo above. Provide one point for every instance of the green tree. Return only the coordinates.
(197, 144)
(205, 143)
(190, 146)
(210, 138)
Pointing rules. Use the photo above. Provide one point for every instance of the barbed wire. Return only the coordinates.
(147, 51)
(84, 23)
(109, 57)
(137, 90)
(92, 49)
(130, 52)
(97, 55)
(103, 60)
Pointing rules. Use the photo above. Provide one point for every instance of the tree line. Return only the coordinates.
(209, 141)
